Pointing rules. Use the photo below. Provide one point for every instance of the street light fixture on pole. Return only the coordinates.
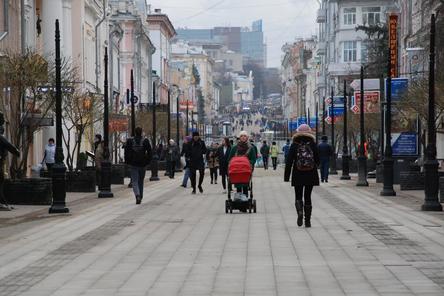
(105, 180)
(362, 158)
(333, 170)
(169, 116)
(431, 177)
(59, 169)
(388, 160)
(345, 156)
(133, 112)
(155, 158)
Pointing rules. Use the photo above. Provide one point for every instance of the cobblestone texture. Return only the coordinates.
(404, 247)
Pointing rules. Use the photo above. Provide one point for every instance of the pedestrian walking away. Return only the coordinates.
(274, 151)
(223, 153)
(98, 157)
(138, 155)
(325, 153)
(302, 163)
(49, 156)
(186, 168)
(265, 153)
(286, 149)
(172, 155)
(213, 162)
(195, 151)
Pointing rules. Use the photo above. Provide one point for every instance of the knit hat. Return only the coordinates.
(195, 134)
(304, 128)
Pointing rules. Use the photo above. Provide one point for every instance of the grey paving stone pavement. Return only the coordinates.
(176, 243)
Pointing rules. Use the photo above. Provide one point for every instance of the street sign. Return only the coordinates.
(393, 44)
(371, 102)
(301, 120)
(405, 144)
(338, 110)
(399, 87)
(337, 100)
(328, 119)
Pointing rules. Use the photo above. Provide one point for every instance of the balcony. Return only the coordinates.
(321, 48)
(321, 16)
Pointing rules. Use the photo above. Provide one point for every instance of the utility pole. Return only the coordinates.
(345, 156)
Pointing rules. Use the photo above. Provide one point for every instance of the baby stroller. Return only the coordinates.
(240, 173)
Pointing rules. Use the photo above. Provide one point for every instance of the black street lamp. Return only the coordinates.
(388, 160)
(317, 122)
(431, 177)
(133, 112)
(177, 117)
(345, 156)
(169, 116)
(323, 116)
(333, 170)
(362, 158)
(187, 128)
(105, 178)
(155, 159)
(59, 169)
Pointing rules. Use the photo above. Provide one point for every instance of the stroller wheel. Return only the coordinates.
(254, 206)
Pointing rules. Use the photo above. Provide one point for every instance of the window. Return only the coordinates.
(349, 16)
(364, 52)
(371, 15)
(349, 51)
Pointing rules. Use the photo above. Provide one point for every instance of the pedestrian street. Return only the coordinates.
(175, 243)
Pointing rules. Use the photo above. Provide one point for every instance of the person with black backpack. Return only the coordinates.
(302, 163)
(195, 151)
(138, 155)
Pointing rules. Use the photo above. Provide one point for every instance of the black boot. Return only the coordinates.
(307, 210)
(299, 205)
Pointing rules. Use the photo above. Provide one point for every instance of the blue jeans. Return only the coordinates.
(137, 177)
(186, 176)
(325, 163)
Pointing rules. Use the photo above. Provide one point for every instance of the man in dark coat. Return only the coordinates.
(325, 152)
(265, 152)
(302, 163)
(195, 151)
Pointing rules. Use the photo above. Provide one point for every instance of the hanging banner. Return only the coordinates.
(371, 102)
(118, 123)
(393, 44)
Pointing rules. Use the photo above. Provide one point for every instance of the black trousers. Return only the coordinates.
(265, 160)
(223, 176)
(193, 173)
(171, 168)
(275, 162)
(243, 189)
(213, 174)
(305, 192)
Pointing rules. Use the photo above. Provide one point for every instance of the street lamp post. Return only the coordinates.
(345, 156)
(188, 122)
(169, 116)
(431, 177)
(177, 117)
(333, 170)
(105, 180)
(154, 161)
(362, 158)
(388, 161)
(317, 122)
(323, 116)
(133, 114)
(59, 169)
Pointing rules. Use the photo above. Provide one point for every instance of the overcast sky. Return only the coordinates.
(283, 20)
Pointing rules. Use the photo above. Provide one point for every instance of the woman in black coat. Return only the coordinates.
(302, 163)
(223, 152)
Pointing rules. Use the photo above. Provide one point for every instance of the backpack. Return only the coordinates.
(305, 157)
(138, 153)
